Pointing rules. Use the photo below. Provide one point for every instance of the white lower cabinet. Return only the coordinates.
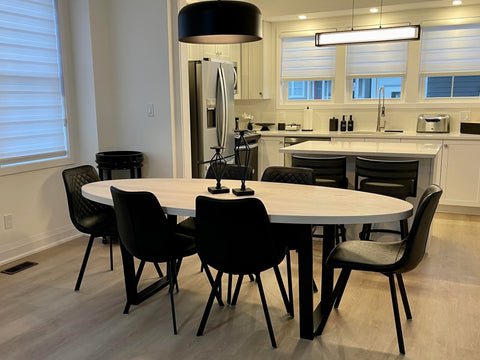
(460, 175)
(269, 153)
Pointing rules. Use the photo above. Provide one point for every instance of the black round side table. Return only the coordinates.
(119, 160)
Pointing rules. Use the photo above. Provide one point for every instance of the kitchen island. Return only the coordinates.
(427, 154)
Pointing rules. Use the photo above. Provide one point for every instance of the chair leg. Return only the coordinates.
(403, 228)
(251, 277)
(237, 290)
(137, 279)
(286, 300)
(171, 273)
(159, 271)
(211, 281)
(343, 232)
(111, 253)
(403, 293)
(365, 233)
(340, 286)
(208, 307)
(265, 310)
(289, 283)
(396, 314)
(84, 263)
(229, 289)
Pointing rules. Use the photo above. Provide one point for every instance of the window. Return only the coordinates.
(450, 61)
(371, 66)
(32, 111)
(307, 72)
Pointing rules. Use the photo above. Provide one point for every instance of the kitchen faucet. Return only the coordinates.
(381, 108)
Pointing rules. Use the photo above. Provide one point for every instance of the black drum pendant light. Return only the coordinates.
(219, 22)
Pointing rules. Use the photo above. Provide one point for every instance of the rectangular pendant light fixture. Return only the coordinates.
(398, 33)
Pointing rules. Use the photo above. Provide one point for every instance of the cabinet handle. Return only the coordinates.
(260, 93)
(445, 146)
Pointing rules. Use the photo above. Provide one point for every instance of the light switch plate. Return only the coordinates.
(150, 110)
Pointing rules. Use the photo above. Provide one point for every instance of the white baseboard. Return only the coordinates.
(36, 243)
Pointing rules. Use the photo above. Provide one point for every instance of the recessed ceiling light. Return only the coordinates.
(302, 17)
(373, 10)
(457, 2)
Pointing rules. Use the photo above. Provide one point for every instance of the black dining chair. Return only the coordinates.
(187, 227)
(147, 234)
(87, 216)
(388, 258)
(223, 245)
(291, 175)
(330, 172)
(395, 178)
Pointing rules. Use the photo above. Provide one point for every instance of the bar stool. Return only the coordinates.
(395, 178)
(328, 171)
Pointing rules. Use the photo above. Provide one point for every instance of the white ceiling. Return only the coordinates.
(274, 10)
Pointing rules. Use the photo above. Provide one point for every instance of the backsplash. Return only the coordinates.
(364, 119)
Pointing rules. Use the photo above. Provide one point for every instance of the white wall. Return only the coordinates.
(119, 62)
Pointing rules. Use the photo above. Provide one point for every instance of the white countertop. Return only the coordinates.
(364, 149)
(371, 134)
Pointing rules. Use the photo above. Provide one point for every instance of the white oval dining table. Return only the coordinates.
(285, 203)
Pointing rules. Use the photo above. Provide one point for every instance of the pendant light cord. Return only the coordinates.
(381, 12)
(353, 11)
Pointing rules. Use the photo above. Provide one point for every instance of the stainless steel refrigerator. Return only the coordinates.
(212, 121)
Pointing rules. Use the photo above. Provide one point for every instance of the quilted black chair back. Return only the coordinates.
(87, 216)
(143, 226)
(416, 242)
(372, 171)
(292, 175)
(329, 171)
(235, 237)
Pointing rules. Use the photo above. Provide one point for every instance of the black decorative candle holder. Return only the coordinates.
(218, 164)
(242, 145)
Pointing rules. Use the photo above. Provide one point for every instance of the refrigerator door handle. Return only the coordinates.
(235, 78)
(222, 123)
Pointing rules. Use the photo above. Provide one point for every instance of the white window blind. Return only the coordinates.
(32, 115)
(450, 49)
(301, 60)
(377, 60)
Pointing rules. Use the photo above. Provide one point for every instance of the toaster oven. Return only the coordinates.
(433, 123)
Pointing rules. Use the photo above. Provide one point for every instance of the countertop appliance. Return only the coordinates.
(433, 123)
(212, 119)
(292, 127)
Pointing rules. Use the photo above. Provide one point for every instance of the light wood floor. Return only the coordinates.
(41, 317)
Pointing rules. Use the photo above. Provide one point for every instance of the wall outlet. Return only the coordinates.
(8, 221)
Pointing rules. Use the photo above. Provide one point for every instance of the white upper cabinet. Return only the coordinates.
(256, 66)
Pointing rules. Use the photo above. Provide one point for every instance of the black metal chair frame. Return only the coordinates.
(405, 255)
(403, 173)
(87, 216)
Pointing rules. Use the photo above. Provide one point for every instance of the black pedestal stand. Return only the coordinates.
(219, 163)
